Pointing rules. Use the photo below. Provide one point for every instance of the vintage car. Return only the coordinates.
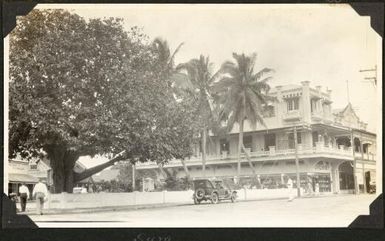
(372, 187)
(212, 190)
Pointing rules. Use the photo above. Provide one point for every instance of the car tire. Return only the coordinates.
(233, 197)
(214, 198)
(196, 201)
(199, 193)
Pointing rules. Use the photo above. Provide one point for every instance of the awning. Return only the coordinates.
(20, 178)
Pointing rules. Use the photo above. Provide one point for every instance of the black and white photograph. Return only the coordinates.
(192, 115)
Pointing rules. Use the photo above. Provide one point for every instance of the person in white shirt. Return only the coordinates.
(24, 194)
(290, 187)
(40, 192)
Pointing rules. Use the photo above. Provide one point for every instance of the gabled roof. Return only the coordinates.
(348, 108)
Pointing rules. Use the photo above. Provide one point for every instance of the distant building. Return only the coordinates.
(331, 145)
(28, 172)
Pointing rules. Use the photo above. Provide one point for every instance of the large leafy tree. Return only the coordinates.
(200, 78)
(82, 87)
(242, 95)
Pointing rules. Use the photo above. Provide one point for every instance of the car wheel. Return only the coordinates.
(200, 193)
(233, 197)
(214, 198)
(196, 201)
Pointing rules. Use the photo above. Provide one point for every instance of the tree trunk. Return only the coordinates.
(240, 145)
(62, 162)
(70, 159)
(250, 164)
(58, 175)
(204, 138)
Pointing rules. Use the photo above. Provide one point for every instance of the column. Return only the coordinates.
(306, 109)
(319, 101)
(279, 104)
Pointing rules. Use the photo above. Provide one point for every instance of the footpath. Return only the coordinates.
(31, 210)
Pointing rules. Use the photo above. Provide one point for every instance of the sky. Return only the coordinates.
(325, 44)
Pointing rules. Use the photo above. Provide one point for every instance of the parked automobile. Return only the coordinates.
(372, 187)
(79, 190)
(212, 190)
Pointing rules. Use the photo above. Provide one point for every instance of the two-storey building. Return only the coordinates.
(333, 145)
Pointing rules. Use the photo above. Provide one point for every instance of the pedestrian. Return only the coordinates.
(40, 192)
(317, 189)
(310, 186)
(24, 194)
(289, 185)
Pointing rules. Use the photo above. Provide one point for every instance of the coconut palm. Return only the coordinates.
(198, 87)
(165, 58)
(166, 64)
(243, 93)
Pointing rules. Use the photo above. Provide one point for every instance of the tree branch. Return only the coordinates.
(98, 168)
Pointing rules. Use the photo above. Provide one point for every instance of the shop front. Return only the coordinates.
(346, 177)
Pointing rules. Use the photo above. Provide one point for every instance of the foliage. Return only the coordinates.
(82, 87)
(199, 79)
(172, 183)
(243, 92)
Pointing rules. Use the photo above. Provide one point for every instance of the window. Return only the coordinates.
(269, 141)
(224, 145)
(315, 137)
(247, 142)
(292, 104)
(365, 147)
(326, 108)
(33, 166)
(313, 105)
(291, 140)
(268, 111)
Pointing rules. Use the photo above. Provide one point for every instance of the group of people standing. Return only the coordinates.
(40, 193)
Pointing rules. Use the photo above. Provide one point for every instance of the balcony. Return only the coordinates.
(317, 115)
(364, 156)
(292, 115)
(259, 156)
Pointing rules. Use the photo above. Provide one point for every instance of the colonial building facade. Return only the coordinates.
(335, 150)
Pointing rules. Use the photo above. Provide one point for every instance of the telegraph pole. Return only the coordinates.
(372, 79)
(297, 162)
(133, 176)
(356, 189)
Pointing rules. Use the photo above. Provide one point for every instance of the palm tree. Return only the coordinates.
(166, 64)
(243, 94)
(198, 87)
(165, 58)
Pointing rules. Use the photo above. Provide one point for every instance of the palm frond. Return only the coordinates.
(171, 58)
(262, 72)
(224, 84)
